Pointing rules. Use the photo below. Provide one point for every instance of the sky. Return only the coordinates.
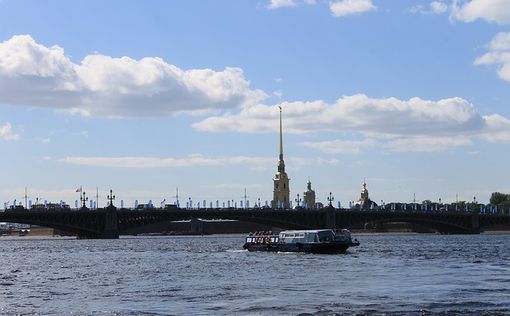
(144, 97)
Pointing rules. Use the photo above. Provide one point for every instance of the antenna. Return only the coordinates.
(176, 196)
(245, 197)
(26, 198)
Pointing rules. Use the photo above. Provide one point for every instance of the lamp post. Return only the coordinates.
(298, 200)
(331, 199)
(110, 198)
(83, 199)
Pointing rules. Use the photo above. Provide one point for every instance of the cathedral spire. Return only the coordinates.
(281, 163)
(281, 135)
(281, 192)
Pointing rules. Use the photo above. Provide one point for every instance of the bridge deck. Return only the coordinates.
(110, 222)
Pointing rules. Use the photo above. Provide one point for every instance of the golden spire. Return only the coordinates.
(281, 134)
(281, 163)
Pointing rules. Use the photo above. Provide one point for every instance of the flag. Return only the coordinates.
(79, 189)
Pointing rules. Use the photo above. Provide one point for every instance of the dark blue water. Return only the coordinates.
(386, 275)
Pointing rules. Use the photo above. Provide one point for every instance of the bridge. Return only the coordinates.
(111, 222)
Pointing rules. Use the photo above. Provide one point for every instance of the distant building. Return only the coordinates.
(309, 196)
(281, 191)
(364, 201)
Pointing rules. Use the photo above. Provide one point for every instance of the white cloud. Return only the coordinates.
(195, 160)
(35, 75)
(154, 162)
(496, 11)
(340, 147)
(498, 54)
(400, 144)
(427, 144)
(349, 7)
(387, 117)
(498, 129)
(438, 7)
(435, 7)
(6, 132)
(277, 4)
(389, 123)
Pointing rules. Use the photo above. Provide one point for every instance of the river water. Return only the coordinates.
(389, 274)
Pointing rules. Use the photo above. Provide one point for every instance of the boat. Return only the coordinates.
(311, 241)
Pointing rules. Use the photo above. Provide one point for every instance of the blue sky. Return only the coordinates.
(146, 96)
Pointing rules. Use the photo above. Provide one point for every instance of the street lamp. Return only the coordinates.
(298, 200)
(331, 199)
(111, 197)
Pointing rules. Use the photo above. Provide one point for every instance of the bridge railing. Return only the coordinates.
(397, 207)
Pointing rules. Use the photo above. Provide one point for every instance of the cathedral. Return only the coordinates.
(281, 191)
(365, 202)
(309, 196)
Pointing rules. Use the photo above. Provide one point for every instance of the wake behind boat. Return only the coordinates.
(311, 241)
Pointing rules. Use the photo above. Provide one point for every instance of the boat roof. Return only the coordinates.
(314, 231)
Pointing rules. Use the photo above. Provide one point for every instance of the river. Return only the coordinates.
(389, 274)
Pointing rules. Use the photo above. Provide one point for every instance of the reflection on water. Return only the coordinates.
(388, 274)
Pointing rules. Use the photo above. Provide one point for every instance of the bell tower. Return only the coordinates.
(281, 191)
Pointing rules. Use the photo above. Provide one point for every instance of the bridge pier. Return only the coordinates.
(331, 218)
(475, 223)
(111, 229)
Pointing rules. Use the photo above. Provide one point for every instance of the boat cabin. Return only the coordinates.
(306, 236)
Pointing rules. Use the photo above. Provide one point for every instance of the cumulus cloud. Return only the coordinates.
(390, 123)
(6, 132)
(495, 11)
(386, 117)
(438, 7)
(435, 7)
(35, 75)
(340, 147)
(400, 144)
(277, 4)
(350, 7)
(427, 144)
(498, 129)
(498, 54)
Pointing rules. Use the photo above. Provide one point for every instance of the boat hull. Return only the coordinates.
(321, 248)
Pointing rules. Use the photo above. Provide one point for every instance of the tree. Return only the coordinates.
(498, 198)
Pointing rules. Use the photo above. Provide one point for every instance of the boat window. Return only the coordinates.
(326, 236)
